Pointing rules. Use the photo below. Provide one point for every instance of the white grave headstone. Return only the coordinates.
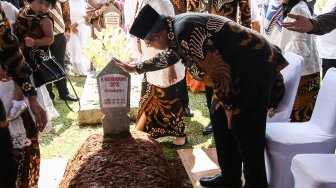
(114, 96)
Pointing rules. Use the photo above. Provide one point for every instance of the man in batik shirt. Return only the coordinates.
(13, 64)
(238, 63)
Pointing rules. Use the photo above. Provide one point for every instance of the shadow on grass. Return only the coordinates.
(195, 139)
(66, 117)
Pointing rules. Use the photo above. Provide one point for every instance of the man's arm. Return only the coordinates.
(160, 61)
(324, 23)
(321, 25)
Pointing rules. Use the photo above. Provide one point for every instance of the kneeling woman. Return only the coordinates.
(160, 110)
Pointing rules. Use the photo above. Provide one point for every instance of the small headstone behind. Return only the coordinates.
(112, 16)
(114, 96)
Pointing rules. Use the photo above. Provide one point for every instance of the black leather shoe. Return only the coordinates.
(207, 129)
(69, 97)
(188, 112)
(217, 180)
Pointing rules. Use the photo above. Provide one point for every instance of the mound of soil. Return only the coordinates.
(125, 160)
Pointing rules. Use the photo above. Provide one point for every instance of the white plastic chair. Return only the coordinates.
(291, 75)
(285, 140)
(314, 170)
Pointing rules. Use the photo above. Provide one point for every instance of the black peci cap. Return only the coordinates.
(144, 22)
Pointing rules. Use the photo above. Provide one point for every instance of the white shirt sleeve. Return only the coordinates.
(254, 11)
(163, 7)
(11, 12)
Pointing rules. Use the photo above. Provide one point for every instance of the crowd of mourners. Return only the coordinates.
(235, 48)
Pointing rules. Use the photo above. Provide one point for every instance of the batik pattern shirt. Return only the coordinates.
(29, 25)
(11, 58)
(180, 6)
(237, 62)
(324, 23)
(229, 9)
(197, 5)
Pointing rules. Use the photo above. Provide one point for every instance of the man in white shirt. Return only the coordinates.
(326, 45)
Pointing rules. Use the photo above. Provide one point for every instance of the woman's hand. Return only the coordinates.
(30, 42)
(39, 113)
(74, 28)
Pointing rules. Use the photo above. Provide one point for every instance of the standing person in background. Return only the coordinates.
(326, 44)
(129, 12)
(95, 10)
(275, 14)
(80, 32)
(19, 71)
(62, 25)
(160, 111)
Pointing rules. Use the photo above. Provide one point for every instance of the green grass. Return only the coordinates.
(68, 136)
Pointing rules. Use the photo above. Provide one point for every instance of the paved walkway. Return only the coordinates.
(199, 163)
(51, 172)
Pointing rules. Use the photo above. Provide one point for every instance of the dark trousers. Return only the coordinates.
(183, 92)
(57, 49)
(208, 95)
(326, 64)
(8, 165)
(243, 143)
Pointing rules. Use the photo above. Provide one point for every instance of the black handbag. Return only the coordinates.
(48, 71)
(51, 71)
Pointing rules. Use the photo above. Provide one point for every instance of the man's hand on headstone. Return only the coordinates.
(130, 68)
